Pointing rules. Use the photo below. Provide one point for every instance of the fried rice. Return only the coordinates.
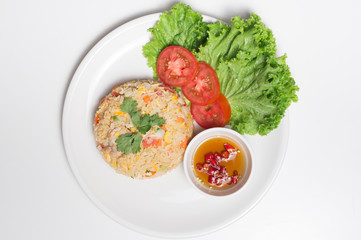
(162, 148)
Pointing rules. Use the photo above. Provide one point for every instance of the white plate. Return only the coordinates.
(167, 206)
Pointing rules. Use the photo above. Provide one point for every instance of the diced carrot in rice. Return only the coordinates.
(180, 120)
(184, 142)
(146, 98)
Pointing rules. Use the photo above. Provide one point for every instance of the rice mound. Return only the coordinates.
(162, 148)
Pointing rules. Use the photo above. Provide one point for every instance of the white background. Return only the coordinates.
(317, 194)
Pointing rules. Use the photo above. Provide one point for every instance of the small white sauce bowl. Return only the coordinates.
(201, 138)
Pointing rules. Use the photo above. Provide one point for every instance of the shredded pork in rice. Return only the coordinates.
(162, 148)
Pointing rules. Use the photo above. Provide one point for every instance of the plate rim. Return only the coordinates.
(83, 185)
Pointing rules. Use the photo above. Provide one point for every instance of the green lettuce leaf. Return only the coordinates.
(250, 37)
(258, 86)
(258, 90)
(182, 26)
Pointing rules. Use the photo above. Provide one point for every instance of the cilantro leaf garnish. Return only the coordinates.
(144, 124)
(136, 118)
(147, 122)
(156, 120)
(129, 106)
(129, 142)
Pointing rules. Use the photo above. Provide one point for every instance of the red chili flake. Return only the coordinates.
(217, 156)
(209, 157)
(229, 148)
(225, 154)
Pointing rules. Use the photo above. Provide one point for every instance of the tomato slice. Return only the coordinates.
(204, 88)
(216, 114)
(226, 108)
(176, 66)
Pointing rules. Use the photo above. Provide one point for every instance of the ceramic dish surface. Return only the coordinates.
(167, 206)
